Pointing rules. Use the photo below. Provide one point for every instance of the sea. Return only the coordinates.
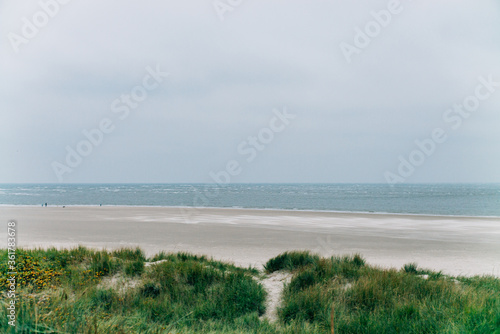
(418, 199)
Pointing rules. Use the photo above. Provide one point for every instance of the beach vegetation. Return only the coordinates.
(82, 290)
(368, 299)
(290, 261)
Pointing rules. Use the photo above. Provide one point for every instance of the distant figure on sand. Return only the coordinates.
(45, 204)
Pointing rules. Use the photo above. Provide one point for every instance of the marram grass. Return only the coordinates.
(82, 290)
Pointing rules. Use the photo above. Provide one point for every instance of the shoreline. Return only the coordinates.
(242, 208)
(456, 245)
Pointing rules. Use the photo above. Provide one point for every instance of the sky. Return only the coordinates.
(240, 91)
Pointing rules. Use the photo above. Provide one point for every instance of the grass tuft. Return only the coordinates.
(129, 254)
(134, 268)
(291, 261)
(411, 268)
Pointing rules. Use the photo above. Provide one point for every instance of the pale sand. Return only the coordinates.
(455, 245)
(274, 287)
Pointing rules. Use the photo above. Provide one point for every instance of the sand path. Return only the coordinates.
(274, 284)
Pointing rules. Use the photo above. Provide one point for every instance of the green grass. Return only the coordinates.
(82, 290)
(290, 261)
(367, 299)
(68, 291)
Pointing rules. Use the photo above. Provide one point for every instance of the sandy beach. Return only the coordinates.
(455, 245)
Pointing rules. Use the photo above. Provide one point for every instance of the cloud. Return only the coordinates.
(353, 120)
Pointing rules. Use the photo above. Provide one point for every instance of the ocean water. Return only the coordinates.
(432, 199)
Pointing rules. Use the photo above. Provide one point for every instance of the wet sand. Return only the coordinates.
(455, 245)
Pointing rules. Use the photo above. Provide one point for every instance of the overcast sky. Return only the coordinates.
(356, 103)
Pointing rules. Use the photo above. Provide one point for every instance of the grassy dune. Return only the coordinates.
(372, 300)
(87, 291)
